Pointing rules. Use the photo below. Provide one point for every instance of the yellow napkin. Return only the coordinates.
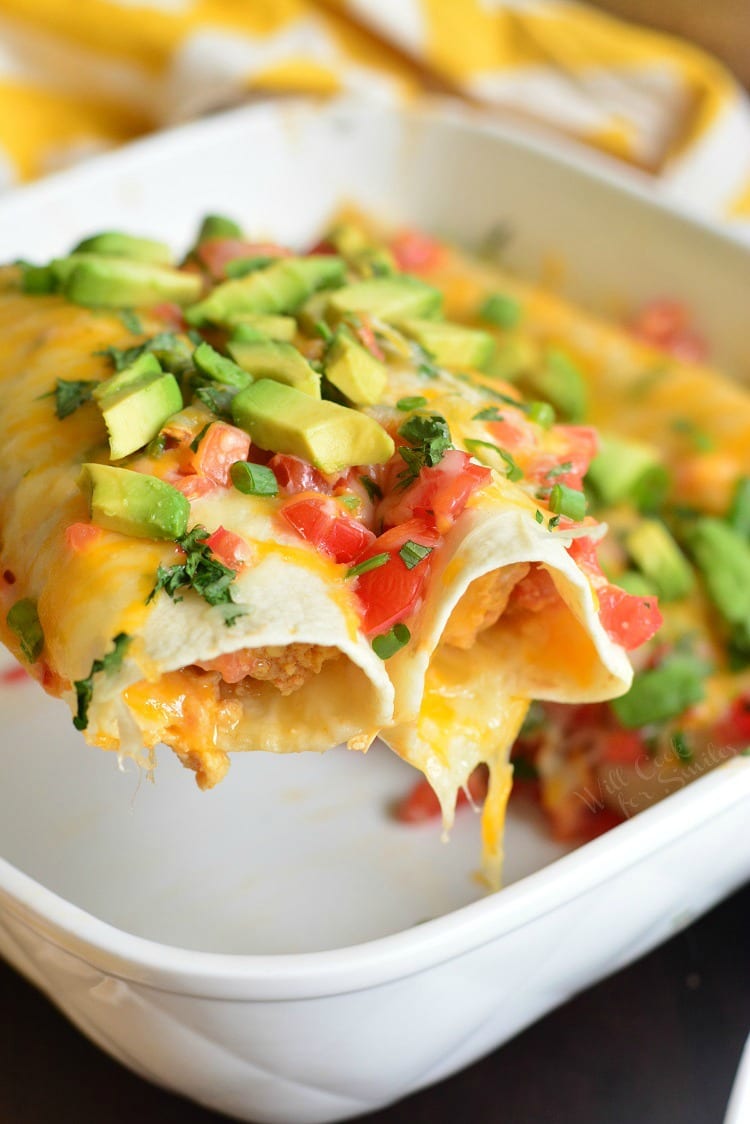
(77, 76)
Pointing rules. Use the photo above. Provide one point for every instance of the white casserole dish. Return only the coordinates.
(259, 947)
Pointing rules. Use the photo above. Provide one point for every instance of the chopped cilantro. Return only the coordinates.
(388, 643)
(373, 563)
(412, 553)
(254, 479)
(429, 439)
(131, 321)
(218, 399)
(72, 393)
(538, 516)
(513, 471)
(681, 747)
(109, 663)
(413, 403)
(559, 470)
(23, 619)
(200, 571)
(373, 490)
(172, 352)
(554, 522)
(490, 413)
(195, 443)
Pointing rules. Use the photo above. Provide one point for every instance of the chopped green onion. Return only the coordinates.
(542, 413)
(109, 663)
(388, 643)
(218, 367)
(567, 501)
(23, 619)
(513, 471)
(501, 310)
(412, 553)
(195, 443)
(739, 511)
(373, 563)
(681, 748)
(414, 403)
(254, 479)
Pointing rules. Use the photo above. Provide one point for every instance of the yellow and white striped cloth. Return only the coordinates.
(77, 76)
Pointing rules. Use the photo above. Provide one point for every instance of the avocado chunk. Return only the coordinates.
(723, 558)
(269, 327)
(135, 404)
(273, 359)
(218, 226)
(357, 374)
(450, 345)
(514, 356)
(331, 437)
(279, 288)
(390, 298)
(364, 256)
(663, 692)
(134, 503)
(628, 471)
(218, 368)
(559, 381)
(657, 555)
(111, 282)
(112, 244)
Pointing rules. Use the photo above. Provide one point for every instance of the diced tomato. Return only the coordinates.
(421, 803)
(581, 446)
(392, 592)
(628, 620)
(440, 492)
(622, 747)
(230, 549)
(508, 435)
(216, 253)
(416, 252)
(78, 536)
(734, 729)
(193, 487)
(665, 323)
(583, 551)
(221, 445)
(573, 821)
(294, 475)
(535, 592)
(321, 522)
(324, 247)
(171, 314)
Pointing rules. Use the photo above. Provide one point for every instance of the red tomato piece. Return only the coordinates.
(216, 253)
(230, 549)
(294, 475)
(421, 803)
(440, 492)
(171, 314)
(628, 620)
(415, 252)
(622, 747)
(393, 592)
(366, 335)
(221, 445)
(665, 323)
(80, 535)
(734, 728)
(322, 522)
(193, 487)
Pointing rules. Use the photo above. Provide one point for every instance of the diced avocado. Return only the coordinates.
(354, 371)
(559, 381)
(273, 359)
(270, 327)
(218, 226)
(514, 356)
(366, 257)
(501, 310)
(281, 287)
(635, 584)
(628, 470)
(110, 282)
(112, 244)
(390, 298)
(135, 404)
(450, 345)
(218, 368)
(657, 555)
(134, 503)
(723, 558)
(331, 437)
(739, 510)
(663, 692)
(313, 312)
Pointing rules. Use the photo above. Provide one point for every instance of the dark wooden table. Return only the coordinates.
(657, 1044)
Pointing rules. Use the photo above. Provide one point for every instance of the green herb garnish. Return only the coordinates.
(412, 553)
(567, 501)
(538, 516)
(490, 413)
(254, 479)
(388, 643)
(501, 310)
(131, 321)
(84, 688)
(373, 490)
(373, 563)
(195, 443)
(23, 619)
(200, 571)
(218, 399)
(70, 394)
(513, 471)
(681, 747)
(542, 413)
(120, 358)
(413, 403)
(429, 439)
(323, 331)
